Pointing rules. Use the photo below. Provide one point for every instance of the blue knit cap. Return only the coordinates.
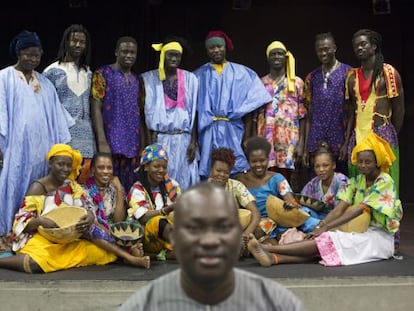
(24, 40)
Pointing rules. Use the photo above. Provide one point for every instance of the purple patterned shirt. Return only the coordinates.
(119, 95)
(326, 108)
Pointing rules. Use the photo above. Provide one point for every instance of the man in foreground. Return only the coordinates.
(206, 239)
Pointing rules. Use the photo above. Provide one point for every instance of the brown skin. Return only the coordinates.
(126, 55)
(220, 173)
(325, 169)
(257, 176)
(365, 52)
(28, 60)
(325, 50)
(206, 238)
(77, 46)
(307, 250)
(103, 174)
(172, 62)
(277, 67)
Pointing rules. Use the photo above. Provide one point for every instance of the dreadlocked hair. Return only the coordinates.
(142, 177)
(85, 59)
(225, 155)
(374, 38)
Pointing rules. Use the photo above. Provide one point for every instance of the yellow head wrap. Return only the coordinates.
(66, 150)
(290, 63)
(164, 48)
(381, 148)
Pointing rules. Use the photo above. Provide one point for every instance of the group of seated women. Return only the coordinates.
(150, 201)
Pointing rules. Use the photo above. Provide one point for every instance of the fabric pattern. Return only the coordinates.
(326, 108)
(223, 100)
(26, 137)
(172, 118)
(386, 208)
(252, 292)
(314, 189)
(73, 86)
(278, 121)
(239, 191)
(119, 96)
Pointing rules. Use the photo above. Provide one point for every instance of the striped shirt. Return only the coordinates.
(252, 292)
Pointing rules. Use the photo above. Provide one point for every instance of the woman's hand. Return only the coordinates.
(46, 222)
(85, 222)
(117, 183)
(168, 209)
(191, 152)
(319, 229)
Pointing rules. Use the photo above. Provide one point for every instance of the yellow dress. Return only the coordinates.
(52, 256)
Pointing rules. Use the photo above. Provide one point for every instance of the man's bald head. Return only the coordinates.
(204, 192)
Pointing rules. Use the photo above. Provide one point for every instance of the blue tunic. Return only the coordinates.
(173, 124)
(223, 100)
(30, 123)
(73, 86)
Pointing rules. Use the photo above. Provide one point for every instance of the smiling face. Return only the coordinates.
(217, 53)
(325, 50)
(324, 166)
(103, 171)
(156, 170)
(258, 161)
(206, 235)
(60, 167)
(126, 54)
(29, 59)
(220, 173)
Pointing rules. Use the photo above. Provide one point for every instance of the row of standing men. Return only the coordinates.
(220, 104)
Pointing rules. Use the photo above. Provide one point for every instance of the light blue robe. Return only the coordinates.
(30, 123)
(232, 94)
(173, 125)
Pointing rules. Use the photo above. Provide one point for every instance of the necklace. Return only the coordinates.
(325, 75)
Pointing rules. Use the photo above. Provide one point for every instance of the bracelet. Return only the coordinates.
(162, 211)
(320, 224)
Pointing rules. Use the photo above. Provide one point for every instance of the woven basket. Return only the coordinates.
(310, 202)
(126, 233)
(283, 217)
(359, 224)
(244, 216)
(66, 218)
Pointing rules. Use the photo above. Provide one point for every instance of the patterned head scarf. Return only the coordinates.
(381, 148)
(159, 152)
(164, 48)
(153, 152)
(66, 150)
(219, 37)
(24, 40)
(290, 63)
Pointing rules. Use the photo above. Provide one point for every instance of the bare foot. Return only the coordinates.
(263, 257)
(143, 261)
(137, 250)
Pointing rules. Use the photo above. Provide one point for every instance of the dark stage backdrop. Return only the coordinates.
(294, 22)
